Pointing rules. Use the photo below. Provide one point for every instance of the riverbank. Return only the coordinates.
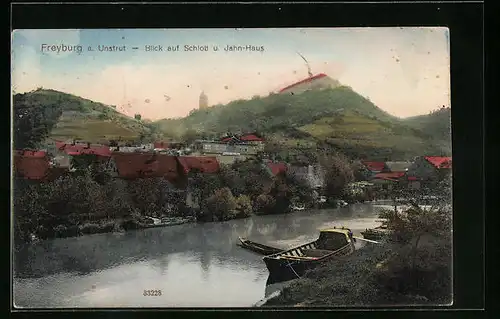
(119, 226)
(106, 226)
(68, 230)
(376, 275)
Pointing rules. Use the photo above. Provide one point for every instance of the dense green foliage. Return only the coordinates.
(90, 200)
(33, 119)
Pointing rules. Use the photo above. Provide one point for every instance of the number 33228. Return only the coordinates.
(152, 293)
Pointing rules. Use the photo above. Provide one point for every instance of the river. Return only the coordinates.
(194, 265)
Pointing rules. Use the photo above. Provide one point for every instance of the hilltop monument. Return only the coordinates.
(312, 82)
(203, 101)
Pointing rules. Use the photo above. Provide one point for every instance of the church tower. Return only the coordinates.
(203, 100)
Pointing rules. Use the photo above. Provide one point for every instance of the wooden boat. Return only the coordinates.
(293, 263)
(258, 248)
(298, 207)
(376, 233)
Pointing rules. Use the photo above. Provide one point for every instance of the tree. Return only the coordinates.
(148, 195)
(338, 173)
(137, 116)
(221, 205)
(33, 120)
(264, 204)
(243, 206)
(415, 224)
(249, 177)
(190, 136)
(232, 179)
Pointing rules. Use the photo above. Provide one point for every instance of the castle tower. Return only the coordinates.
(203, 100)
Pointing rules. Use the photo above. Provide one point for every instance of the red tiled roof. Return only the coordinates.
(206, 164)
(439, 161)
(137, 165)
(35, 167)
(251, 138)
(79, 149)
(394, 176)
(413, 178)
(163, 145)
(309, 79)
(374, 166)
(277, 168)
(30, 153)
(226, 139)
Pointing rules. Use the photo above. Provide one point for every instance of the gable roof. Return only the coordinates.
(277, 168)
(162, 145)
(390, 176)
(439, 161)
(31, 153)
(251, 138)
(309, 79)
(32, 165)
(139, 165)
(229, 139)
(374, 166)
(79, 149)
(206, 164)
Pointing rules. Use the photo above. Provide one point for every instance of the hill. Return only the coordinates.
(264, 113)
(66, 116)
(436, 124)
(337, 118)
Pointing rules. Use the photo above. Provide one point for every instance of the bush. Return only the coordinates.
(220, 206)
(243, 206)
(264, 204)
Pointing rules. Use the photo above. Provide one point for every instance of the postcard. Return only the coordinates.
(193, 168)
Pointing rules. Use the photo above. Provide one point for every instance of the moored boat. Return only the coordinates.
(376, 233)
(258, 248)
(298, 207)
(293, 263)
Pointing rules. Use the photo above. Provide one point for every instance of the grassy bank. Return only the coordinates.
(412, 268)
(371, 277)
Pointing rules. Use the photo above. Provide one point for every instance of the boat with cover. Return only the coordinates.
(293, 263)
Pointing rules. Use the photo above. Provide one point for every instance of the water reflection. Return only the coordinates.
(194, 265)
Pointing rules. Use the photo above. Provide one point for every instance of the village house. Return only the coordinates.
(231, 148)
(275, 168)
(368, 169)
(35, 166)
(247, 144)
(392, 175)
(63, 153)
(428, 170)
(175, 169)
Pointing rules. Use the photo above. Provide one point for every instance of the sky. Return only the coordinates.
(404, 71)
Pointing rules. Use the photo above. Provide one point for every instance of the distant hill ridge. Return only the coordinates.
(83, 119)
(334, 117)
